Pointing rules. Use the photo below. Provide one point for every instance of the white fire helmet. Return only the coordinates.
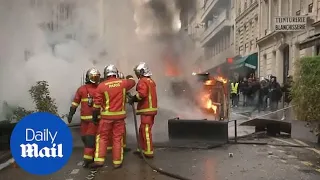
(142, 70)
(110, 70)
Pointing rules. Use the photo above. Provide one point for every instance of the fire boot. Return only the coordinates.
(87, 163)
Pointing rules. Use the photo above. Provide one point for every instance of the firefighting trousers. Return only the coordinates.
(88, 136)
(107, 128)
(145, 134)
(123, 143)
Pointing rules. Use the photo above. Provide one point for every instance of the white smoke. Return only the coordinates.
(20, 33)
(95, 42)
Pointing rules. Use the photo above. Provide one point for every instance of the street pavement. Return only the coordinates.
(229, 162)
(265, 162)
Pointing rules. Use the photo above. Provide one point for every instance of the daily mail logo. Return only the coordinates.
(41, 143)
(33, 150)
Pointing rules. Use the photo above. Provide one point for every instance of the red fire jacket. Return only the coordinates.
(81, 97)
(110, 97)
(147, 96)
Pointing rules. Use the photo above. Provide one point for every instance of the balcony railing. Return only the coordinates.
(219, 22)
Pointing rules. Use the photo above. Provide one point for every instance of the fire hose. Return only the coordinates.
(159, 170)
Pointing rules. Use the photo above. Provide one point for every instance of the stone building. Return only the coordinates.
(279, 50)
(246, 35)
(212, 28)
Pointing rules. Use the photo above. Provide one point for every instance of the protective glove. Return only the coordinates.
(71, 113)
(95, 115)
(69, 119)
(132, 99)
(129, 77)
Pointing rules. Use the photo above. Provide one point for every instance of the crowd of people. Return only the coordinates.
(262, 94)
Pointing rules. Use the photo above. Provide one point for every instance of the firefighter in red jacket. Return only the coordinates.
(109, 102)
(147, 107)
(124, 139)
(84, 97)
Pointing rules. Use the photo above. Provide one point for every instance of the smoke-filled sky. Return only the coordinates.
(129, 27)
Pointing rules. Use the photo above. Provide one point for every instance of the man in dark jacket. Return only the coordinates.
(244, 87)
(275, 93)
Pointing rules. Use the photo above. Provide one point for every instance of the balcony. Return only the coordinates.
(208, 8)
(219, 24)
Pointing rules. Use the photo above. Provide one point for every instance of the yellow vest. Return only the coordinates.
(234, 88)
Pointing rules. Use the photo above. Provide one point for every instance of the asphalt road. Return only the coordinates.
(247, 162)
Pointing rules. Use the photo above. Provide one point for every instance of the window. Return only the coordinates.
(310, 7)
(64, 11)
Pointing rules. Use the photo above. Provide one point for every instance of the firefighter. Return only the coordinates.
(84, 96)
(109, 102)
(120, 76)
(147, 107)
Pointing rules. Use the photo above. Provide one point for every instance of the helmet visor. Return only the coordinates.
(94, 78)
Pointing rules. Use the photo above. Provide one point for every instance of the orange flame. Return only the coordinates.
(211, 106)
(220, 78)
(208, 103)
(208, 82)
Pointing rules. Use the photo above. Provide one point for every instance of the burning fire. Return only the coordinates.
(208, 82)
(211, 106)
(220, 78)
(208, 103)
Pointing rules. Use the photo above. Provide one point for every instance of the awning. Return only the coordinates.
(310, 41)
(250, 61)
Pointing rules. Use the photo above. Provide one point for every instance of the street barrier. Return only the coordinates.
(196, 132)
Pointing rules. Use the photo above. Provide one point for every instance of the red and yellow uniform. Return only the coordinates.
(88, 129)
(147, 109)
(111, 99)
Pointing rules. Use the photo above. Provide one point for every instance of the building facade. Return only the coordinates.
(279, 50)
(69, 19)
(246, 35)
(212, 27)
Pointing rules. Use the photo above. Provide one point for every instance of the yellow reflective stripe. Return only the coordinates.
(75, 104)
(148, 139)
(121, 158)
(113, 82)
(84, 99)
(107, 113)
(109, 148)
(148, 153)
(87, 157)
(145, 152)
(150, 109)
(106, 95)
(147, 110)
(124, 99)
(96, 156)
(99, 159)
(138, 96)
(87, 117)
(96, 106)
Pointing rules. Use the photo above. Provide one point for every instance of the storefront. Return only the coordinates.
(245, 66)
